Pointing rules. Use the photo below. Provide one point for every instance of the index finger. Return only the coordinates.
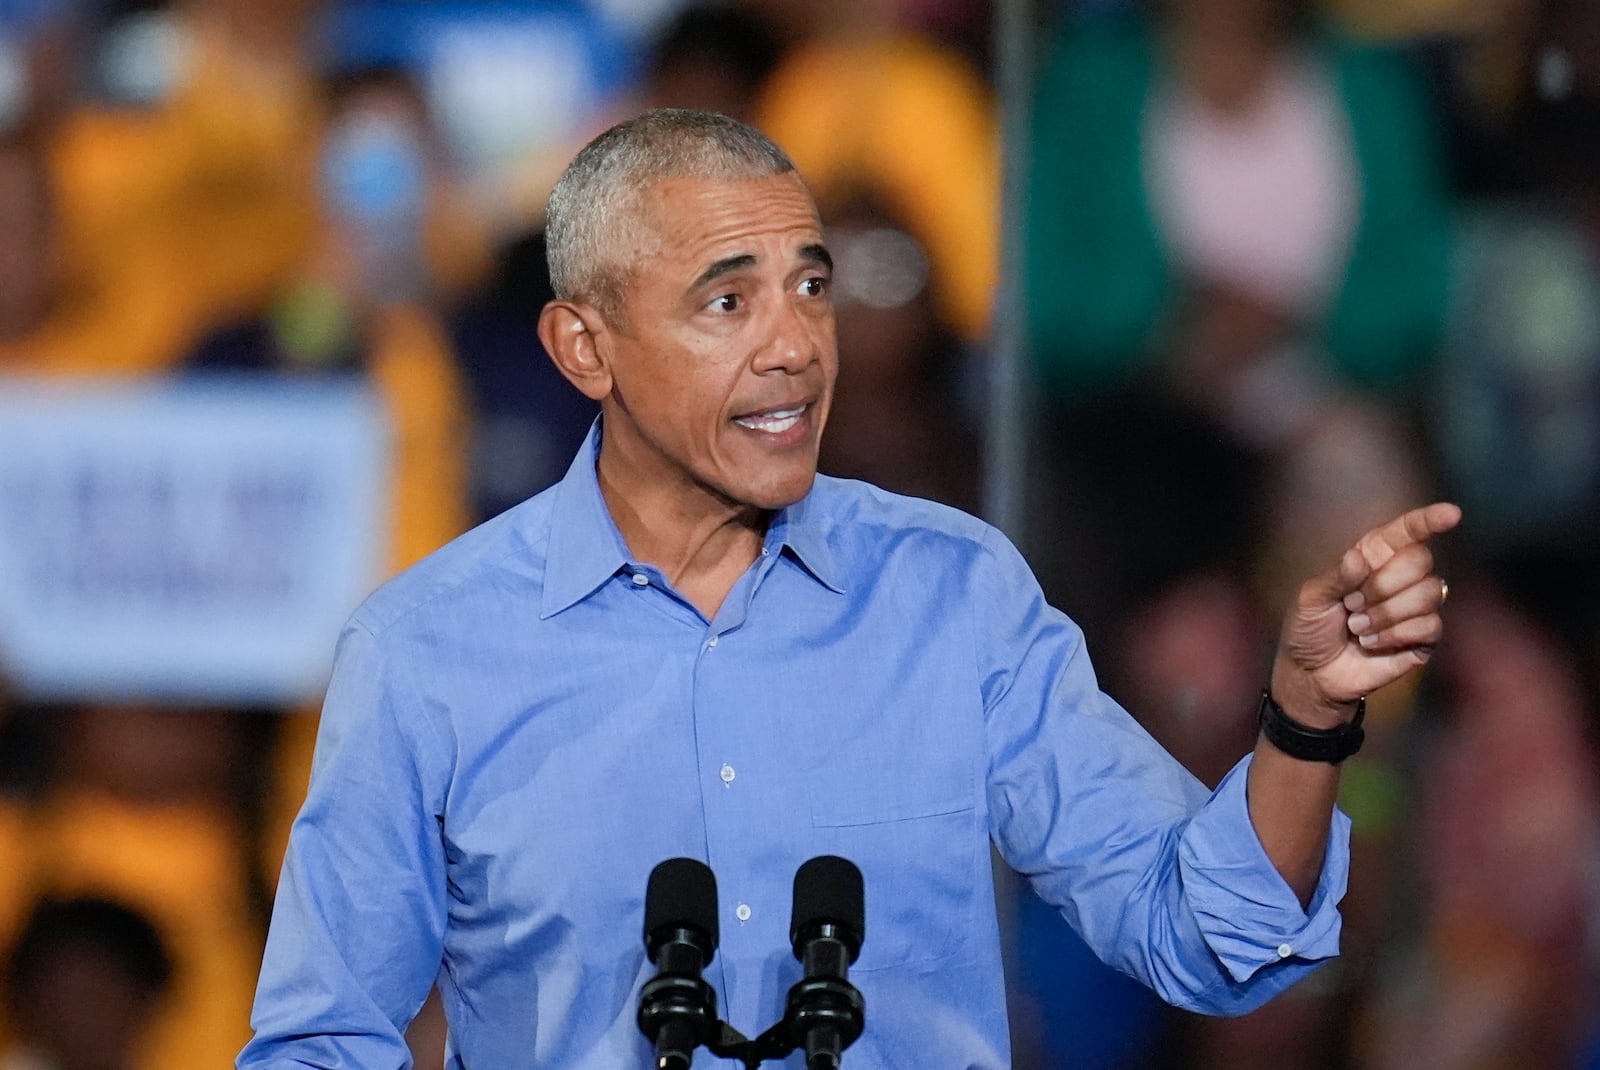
(1418, 525)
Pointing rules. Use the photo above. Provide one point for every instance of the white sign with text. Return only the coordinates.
(199, 541)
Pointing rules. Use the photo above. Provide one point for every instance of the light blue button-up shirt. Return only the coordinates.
(519, 728)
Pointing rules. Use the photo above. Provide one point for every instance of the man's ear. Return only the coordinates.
(570, 332)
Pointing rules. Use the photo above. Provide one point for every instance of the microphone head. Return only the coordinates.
(681, 894)
(828, 891)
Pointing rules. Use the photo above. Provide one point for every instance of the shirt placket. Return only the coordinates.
(739, 784)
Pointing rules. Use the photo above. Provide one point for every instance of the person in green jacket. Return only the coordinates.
(1222, 179)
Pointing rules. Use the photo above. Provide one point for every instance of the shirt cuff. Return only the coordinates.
(1249, 915)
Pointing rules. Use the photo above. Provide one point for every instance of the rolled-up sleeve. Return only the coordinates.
(358, 925)
(1164, 880)
(1248, 913)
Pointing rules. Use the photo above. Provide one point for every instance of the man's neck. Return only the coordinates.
(701, 543)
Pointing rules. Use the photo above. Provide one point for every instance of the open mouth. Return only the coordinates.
(772, 421)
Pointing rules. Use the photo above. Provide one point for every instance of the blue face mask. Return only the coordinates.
(143, 59)
(374, 173)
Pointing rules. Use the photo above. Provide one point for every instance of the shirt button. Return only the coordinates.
(1284, 951)
(742, 911)
(727, 774)
(641, 580)
(712, 642)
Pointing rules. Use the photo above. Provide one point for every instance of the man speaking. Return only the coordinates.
(694, 645)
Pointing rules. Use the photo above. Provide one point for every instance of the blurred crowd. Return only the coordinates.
(1290, 267)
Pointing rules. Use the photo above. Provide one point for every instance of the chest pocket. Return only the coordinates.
(902, 805)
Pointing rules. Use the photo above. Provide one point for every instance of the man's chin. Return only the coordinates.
(783, 493)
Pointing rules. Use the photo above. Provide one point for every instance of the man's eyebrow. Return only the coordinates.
(816, 253)
(725, 266)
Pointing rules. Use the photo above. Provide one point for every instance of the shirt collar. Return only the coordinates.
(586, 549)
(804, 528)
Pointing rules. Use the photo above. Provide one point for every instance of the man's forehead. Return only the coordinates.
(733, 185)
(696, 229)
(689, 206)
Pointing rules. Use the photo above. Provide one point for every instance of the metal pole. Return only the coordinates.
(1005, 425)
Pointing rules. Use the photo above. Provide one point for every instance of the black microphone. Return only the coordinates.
(825, 1013)
(678, 1009)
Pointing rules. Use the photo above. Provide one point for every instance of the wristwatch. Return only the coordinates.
(1311, 744)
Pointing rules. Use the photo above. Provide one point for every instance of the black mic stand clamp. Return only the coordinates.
(824, 1013)
(678, 1009)
(824, 1016)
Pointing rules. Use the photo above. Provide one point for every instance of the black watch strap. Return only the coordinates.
(1311, 744)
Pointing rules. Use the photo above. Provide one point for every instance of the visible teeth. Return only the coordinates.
(774, 422)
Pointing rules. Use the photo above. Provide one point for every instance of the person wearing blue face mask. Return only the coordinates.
(368, 300)
(373, 178)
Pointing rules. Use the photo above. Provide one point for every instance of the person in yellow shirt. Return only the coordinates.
(150, 810)
(57, 319)
(867, 104)
(193, 189)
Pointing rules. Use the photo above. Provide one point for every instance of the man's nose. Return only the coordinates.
(792, 341)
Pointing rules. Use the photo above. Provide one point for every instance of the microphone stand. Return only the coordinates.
(824, 1013)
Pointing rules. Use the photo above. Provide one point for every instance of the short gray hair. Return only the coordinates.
(594, 208)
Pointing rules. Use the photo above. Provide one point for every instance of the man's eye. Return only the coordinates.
(814, 286)
(725, 303)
